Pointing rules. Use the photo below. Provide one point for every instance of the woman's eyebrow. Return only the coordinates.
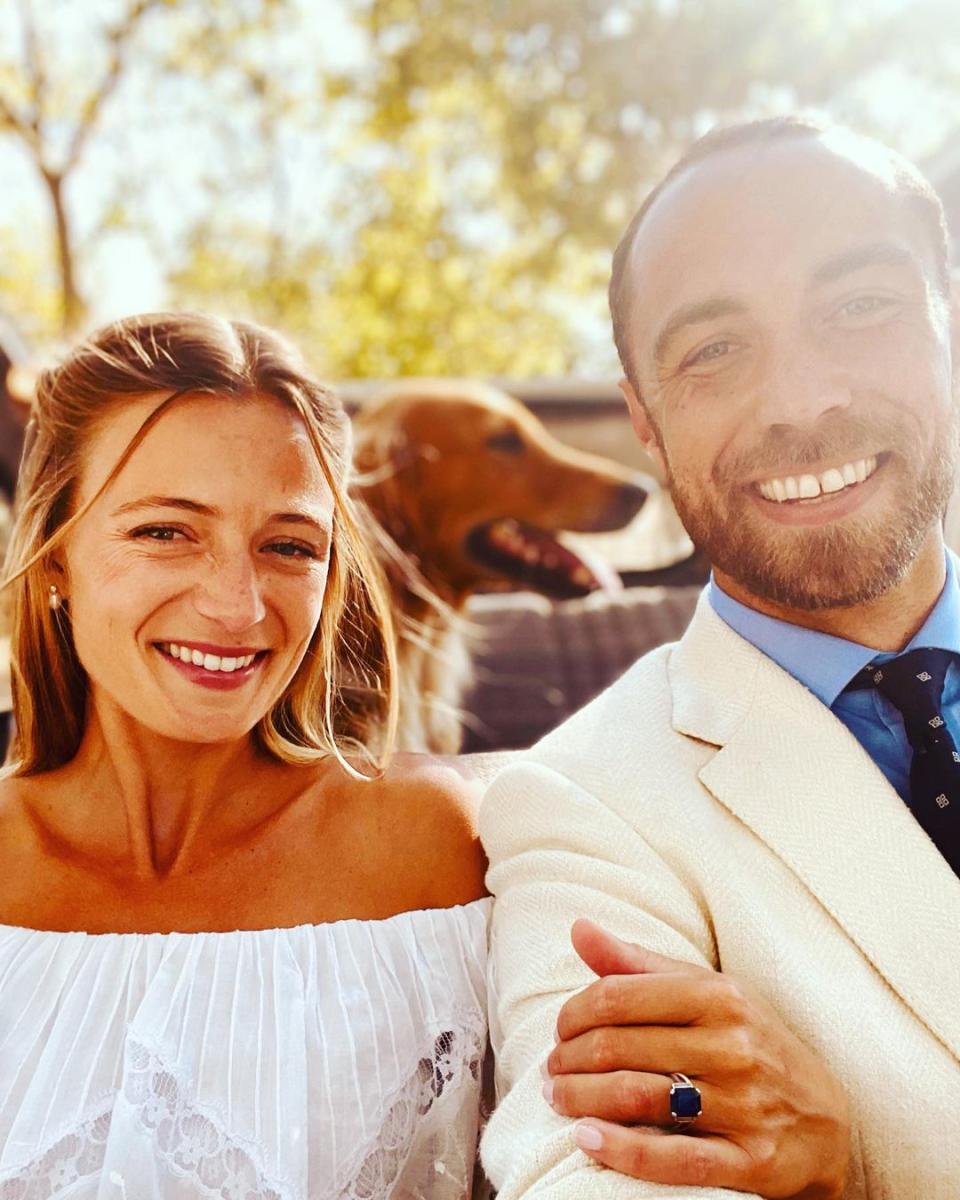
(180, 502)
(300, 518)
(297, 517)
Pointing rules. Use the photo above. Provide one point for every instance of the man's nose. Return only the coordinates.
(800, 387)
(230, 594)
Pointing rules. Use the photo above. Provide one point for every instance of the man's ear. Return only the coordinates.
(642, 425)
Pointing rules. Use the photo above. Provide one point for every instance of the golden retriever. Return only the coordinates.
(470, 492)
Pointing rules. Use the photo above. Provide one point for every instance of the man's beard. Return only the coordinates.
(851, 561)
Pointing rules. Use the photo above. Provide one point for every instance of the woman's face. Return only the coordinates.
(196, 581)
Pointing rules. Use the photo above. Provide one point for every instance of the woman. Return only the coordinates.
(283, 994)
(241, 945)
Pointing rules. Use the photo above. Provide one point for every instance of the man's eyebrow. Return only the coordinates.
(876, 254)
(694, 314)
(207, 510)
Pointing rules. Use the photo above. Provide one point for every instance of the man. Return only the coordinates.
(778, 794)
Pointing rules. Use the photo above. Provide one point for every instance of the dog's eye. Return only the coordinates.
(510, 442)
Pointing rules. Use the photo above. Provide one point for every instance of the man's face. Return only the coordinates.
(792, 370)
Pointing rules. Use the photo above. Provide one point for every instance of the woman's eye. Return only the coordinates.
(156, 533)
(293, 550)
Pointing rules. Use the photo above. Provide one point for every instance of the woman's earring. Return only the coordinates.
(55, 598)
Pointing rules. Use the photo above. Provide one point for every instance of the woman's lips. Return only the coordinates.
(222, 681)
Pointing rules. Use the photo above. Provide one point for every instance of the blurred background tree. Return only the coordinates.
(407, 186)
(66, 79)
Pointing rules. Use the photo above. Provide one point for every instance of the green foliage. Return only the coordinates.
(484, 157)
(580, 105)
(28, 288)
(407, 298)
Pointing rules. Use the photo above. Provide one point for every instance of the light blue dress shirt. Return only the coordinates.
(826, 664)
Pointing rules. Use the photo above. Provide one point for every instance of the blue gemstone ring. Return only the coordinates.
(685, 1101)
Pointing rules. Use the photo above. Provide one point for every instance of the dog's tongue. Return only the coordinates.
(534, 557)
(605, 577)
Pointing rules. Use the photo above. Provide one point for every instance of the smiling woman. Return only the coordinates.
(195, 615)
(124, 407)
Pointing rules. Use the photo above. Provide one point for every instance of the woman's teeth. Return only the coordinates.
(209, 662)
(808, 487)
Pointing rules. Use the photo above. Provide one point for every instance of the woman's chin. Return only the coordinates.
(196, 728)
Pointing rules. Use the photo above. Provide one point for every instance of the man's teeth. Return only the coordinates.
(209, 662)
(807, 487)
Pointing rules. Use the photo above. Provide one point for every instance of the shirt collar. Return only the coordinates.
(825, 664)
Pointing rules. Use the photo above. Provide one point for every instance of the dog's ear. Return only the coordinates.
(383, 457)
(381, 452)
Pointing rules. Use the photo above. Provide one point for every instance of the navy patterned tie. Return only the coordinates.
(913, 683)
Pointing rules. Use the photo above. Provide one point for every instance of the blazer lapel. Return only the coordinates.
(798, 778)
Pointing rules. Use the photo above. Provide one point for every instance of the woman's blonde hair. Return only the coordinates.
(343, 698)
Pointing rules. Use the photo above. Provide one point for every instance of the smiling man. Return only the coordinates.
(777, 796)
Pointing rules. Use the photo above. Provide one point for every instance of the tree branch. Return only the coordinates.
(33, 61)
(119, 38)
(12, 120)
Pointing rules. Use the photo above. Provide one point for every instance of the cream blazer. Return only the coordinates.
(711, 808)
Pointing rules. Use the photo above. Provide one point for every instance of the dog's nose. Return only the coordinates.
(628, 500)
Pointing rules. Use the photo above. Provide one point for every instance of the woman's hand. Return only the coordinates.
(774, 1119)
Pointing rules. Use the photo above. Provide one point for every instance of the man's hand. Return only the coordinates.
(774, 1119)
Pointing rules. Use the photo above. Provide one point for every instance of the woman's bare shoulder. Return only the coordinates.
(446, 776)
(431, 803)
(18, 797)
(25, 849)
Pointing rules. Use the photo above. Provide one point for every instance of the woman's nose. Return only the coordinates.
(231, 595)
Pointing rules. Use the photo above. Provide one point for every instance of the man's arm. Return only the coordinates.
(557, 853)
(774, 1117)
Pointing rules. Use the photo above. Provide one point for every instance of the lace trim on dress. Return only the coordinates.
(189, 1143)
(192, 1145)
(426, 1148)
(75, 1156)
(422, 1150)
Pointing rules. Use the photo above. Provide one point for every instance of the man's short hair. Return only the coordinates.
(908, 182)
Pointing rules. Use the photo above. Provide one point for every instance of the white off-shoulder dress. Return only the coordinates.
(340, 1060)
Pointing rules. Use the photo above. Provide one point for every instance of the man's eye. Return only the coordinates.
(864, 306)
(709, 353)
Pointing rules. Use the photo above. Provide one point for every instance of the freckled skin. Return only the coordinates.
(797, 372)
(169, 817)
(220, 580)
